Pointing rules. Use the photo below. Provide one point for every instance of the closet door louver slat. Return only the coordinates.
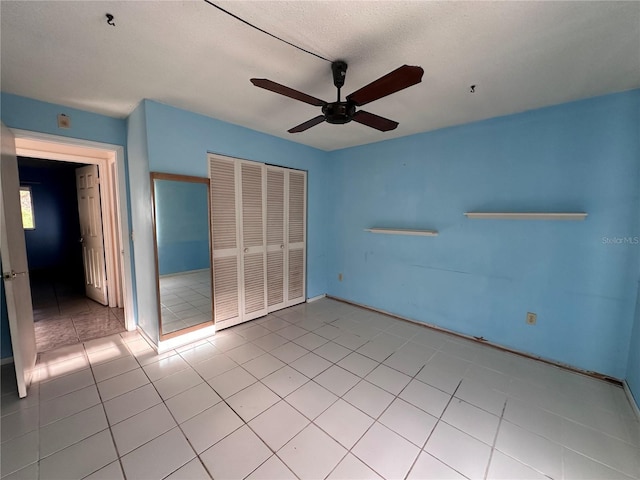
(296, 207)
(224, 235)
(275, 206)
(253, 240)
(297, 237)
(276, 246)
(275, 279)
(252, 226)
(225, 279)
(253, 283)
(223, 204)
(296, 274)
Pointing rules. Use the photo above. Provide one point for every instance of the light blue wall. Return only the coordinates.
(477, 277)
(480, 277)
(36, 116)
(28, 114)
(182, 226)
(142, 223)
(179, 140)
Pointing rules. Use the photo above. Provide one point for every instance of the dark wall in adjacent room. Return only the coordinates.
(54, 243)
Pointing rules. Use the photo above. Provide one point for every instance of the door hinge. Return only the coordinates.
(11, 275)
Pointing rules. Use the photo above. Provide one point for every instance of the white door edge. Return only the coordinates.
(13, 251)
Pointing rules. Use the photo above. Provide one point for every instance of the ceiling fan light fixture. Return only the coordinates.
(338, 113)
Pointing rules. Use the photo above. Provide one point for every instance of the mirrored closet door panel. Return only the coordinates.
(182, 252)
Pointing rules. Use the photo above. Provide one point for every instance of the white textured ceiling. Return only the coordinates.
(521, 56)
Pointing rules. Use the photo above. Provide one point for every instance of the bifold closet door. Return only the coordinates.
(259, 237)
(276, 243)
(296, 236)
(226, 258)
(253, 240)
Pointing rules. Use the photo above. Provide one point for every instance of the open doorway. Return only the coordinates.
(59, 279)
(67, 274)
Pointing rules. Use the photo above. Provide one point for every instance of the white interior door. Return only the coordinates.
(296, 251)
(15, 271)
(276, 247)
(253, 240)
(224, 236)
(88, 187)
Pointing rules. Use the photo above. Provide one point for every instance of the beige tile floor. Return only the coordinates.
(320, 390)
(63, 315)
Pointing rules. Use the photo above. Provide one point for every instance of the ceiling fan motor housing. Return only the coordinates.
(339, 69)
(339, 112)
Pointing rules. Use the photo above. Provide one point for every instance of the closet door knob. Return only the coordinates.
(282, 247)
(246, 250)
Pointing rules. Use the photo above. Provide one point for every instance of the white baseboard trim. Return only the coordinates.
(185, 339)
(148, 339)
(317, 297)
(634, 406)
(6, 360)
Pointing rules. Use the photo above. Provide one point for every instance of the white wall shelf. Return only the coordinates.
(526, 216)
(395, 231)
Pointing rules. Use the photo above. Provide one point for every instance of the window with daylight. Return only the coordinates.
(26, 205)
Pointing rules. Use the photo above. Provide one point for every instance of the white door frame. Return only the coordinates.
(108, 157)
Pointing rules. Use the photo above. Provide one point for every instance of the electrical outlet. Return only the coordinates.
(531, 318)
(339, 277)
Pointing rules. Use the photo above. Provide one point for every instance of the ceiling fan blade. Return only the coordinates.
(308, 124)
(374, 121)
(399, 79)
(287, 92)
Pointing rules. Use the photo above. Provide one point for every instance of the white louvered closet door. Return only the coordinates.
(253, 239)
(296, 188)
(276, 239)
(226, 258)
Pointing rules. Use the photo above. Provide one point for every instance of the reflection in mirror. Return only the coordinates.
(183, 252)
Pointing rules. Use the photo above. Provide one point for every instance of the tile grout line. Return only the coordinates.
(281, 398)
(495, 439)
(422, 449)
(334, 363)
(222, 399)
(104, 410)
(247, 341)
(250, 342)
(375, 420)
(172, 416)
(258, 380)
(102, 402)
